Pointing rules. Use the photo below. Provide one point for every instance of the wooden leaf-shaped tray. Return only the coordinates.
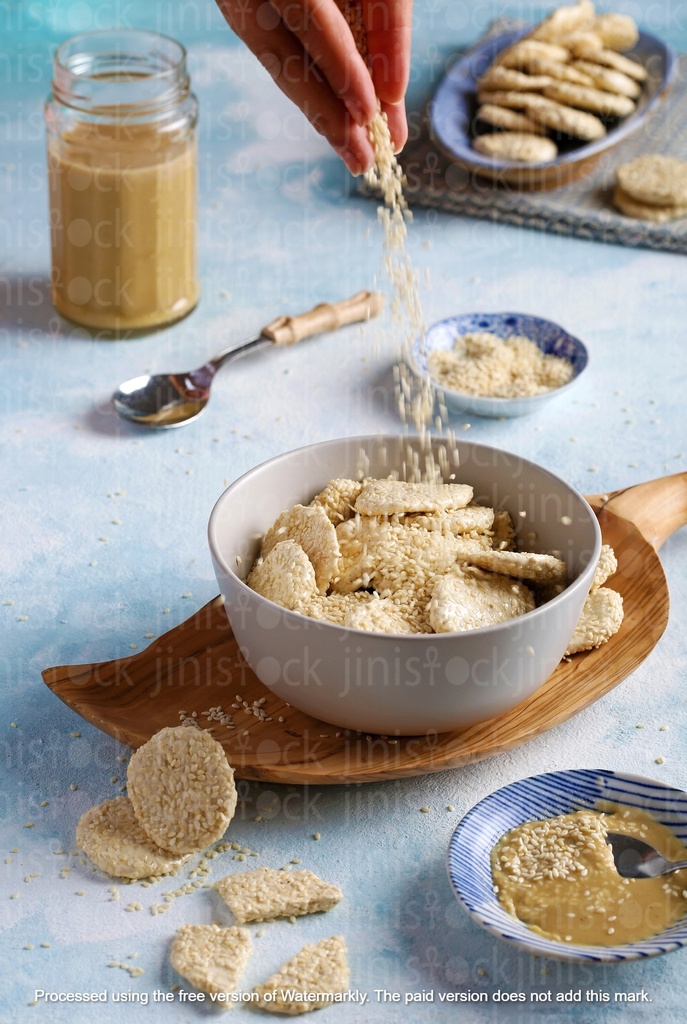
(197, 666)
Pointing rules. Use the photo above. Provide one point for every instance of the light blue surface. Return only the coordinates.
(547, 796)
(281, 229)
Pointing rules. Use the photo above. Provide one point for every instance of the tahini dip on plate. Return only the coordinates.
(558, 877)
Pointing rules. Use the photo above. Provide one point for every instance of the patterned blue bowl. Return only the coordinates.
(545, 796)
(548, 336)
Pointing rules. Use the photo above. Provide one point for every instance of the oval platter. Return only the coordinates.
(453, 108)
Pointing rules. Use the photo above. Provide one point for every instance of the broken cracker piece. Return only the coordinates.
(380, 615)
(113, 839)
(265, 894)
(213, 959)
(601, 618)
(338, 498)
(522, 565)
(472, 518)
(387, 555)
(182, 789)
(335, 607)
(470, 599)
(309, 980)
(388, 497)
(309, 526)
(286, 576)
(503, 532)
(605, 567)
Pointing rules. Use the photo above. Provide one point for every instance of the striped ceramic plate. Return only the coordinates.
(545, 796)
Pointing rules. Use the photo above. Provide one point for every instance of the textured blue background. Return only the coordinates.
(103, 528)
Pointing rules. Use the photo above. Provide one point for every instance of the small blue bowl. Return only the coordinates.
(549, 337)
(545, 796)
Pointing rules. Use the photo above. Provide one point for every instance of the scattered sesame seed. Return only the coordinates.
(316, 835)
(450, 807)
(660, 760)
(424, 810)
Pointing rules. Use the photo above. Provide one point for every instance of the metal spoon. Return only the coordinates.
(636, 859)
(172, 399)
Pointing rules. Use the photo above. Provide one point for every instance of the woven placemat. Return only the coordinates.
(582, 208)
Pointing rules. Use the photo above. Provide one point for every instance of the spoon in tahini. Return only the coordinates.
(636, 859)
(172, 399)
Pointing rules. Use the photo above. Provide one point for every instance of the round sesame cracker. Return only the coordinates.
(565, 20)
(521, 147)
(644, 211)
(113, 839)
(616, 31)
(182, 789)
(512, 120)
(566, 120)
(609, 104)
(654, 179)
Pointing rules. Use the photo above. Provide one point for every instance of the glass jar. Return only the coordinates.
(122, 161)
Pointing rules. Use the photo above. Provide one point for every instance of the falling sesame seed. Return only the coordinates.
(566, 520)
(46, 945)
(663, 728)
(15, 896)
(45, 803)
(639, 725)
(28, 946)
(29, 824)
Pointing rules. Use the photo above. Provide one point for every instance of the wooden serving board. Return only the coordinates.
(196, 666)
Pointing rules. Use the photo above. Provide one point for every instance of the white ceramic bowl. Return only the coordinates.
(546, 796)
(390, 683)
(548, 336)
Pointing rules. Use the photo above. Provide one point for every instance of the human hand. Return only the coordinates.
(309, 50)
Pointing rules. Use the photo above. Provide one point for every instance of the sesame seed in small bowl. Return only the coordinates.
(498, 365)
(531, 864)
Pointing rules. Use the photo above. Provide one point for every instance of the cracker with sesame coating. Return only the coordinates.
(470, 598)
(112, 837)
(601, 618)
(522, 565)
(266, 894)
(338, 499)
(212, 958)
(388, 497)
(182, 789)
(309, 526)
(380, 615)
(309, 979)
(286, 576)
(605, 567)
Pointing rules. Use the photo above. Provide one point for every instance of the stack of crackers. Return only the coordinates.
(566, 80)
(652, 187)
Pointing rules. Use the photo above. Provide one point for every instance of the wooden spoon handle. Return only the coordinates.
(657, 508)
(327, 316)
